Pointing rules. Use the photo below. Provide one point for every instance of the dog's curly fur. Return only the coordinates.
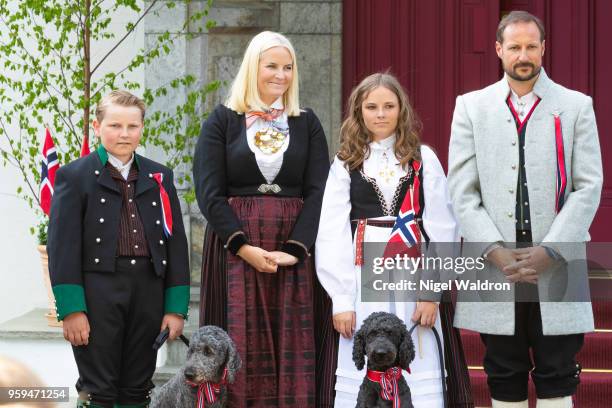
(211, 350)
(384, 339)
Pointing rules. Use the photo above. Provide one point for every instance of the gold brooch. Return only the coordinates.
(269, 140)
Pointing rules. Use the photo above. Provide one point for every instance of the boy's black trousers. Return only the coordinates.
(125, 311)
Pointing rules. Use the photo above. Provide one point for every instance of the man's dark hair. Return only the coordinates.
(518, 16)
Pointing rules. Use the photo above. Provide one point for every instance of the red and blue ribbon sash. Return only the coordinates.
(389, 390)
(49, 165)
(165, 204)
(406, 236)
(208, 391)
(561, 172)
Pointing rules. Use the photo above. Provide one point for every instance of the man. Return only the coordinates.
(525, 167)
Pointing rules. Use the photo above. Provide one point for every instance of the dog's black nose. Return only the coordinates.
(190, 373)
(380, 352)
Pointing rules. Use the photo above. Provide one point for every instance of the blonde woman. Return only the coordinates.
(260, 168)
(380, 161)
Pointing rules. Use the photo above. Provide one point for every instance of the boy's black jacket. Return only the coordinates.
(84, 228)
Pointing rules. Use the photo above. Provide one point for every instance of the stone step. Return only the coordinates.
(164, 373)
(30, 341)
(176, 350)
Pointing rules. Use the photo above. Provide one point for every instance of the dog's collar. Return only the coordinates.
(388, 383)
(208, 390)
(376, 376)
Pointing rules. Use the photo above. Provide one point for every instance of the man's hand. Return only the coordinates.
(425, 313)
(344, 323)
(258, 258)
(530, 262)
(501, 257)
(174, 323)
(76, 329)
(283, 258)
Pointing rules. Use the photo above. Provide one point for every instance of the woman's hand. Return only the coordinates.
(283, 258)
(425, 313)
(258, 258)
(344, 323)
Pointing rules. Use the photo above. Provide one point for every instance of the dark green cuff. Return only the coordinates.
(69, 299)
(176, 300)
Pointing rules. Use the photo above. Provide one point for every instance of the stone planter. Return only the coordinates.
(51, 315)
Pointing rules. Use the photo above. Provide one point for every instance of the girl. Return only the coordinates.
(380, 160)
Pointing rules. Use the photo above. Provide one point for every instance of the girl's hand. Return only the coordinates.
(425, 313)
(283, 259)
(258, 258)
(344, 323)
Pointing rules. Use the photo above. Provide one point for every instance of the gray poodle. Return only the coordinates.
(212, 358)
(384, 339)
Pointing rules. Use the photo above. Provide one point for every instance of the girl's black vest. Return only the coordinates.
(367, 200)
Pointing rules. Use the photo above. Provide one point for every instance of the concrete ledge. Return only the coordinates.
(31, 326)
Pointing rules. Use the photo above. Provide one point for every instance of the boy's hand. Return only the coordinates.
(174, 323)
(76, 329)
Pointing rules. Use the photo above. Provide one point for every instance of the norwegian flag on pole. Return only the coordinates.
(49, 165)
(85, 146)
(406, 236)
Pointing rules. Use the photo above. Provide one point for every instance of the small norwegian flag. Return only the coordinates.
(406, 236)
(49, 165)
(85, 146)
(165, 201)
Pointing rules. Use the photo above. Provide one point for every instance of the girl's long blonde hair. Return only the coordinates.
(243, 95)
(355, 136)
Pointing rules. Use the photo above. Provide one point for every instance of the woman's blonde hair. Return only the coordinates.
(243, 95)
(121, 98)
(355, 136)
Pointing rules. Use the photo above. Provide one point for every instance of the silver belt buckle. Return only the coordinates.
(269, 188)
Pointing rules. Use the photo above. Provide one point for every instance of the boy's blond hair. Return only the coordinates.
(243, 95)
(121, 98)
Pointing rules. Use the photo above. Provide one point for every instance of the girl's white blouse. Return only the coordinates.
(334, 249)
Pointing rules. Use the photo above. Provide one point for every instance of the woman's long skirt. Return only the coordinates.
(271, 317)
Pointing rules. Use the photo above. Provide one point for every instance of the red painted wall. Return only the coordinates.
(442, 48)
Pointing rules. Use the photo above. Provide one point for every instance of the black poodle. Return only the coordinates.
(385, 340)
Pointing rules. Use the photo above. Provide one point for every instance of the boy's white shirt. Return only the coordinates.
(124, 169)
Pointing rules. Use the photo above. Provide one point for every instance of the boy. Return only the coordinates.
(117, 258)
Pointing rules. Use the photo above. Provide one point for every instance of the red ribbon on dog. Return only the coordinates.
(388, 383)
(208, 390)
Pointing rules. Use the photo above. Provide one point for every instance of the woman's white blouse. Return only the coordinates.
(334, 250)
(269, 164)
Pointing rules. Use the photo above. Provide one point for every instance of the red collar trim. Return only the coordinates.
(520, 124)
